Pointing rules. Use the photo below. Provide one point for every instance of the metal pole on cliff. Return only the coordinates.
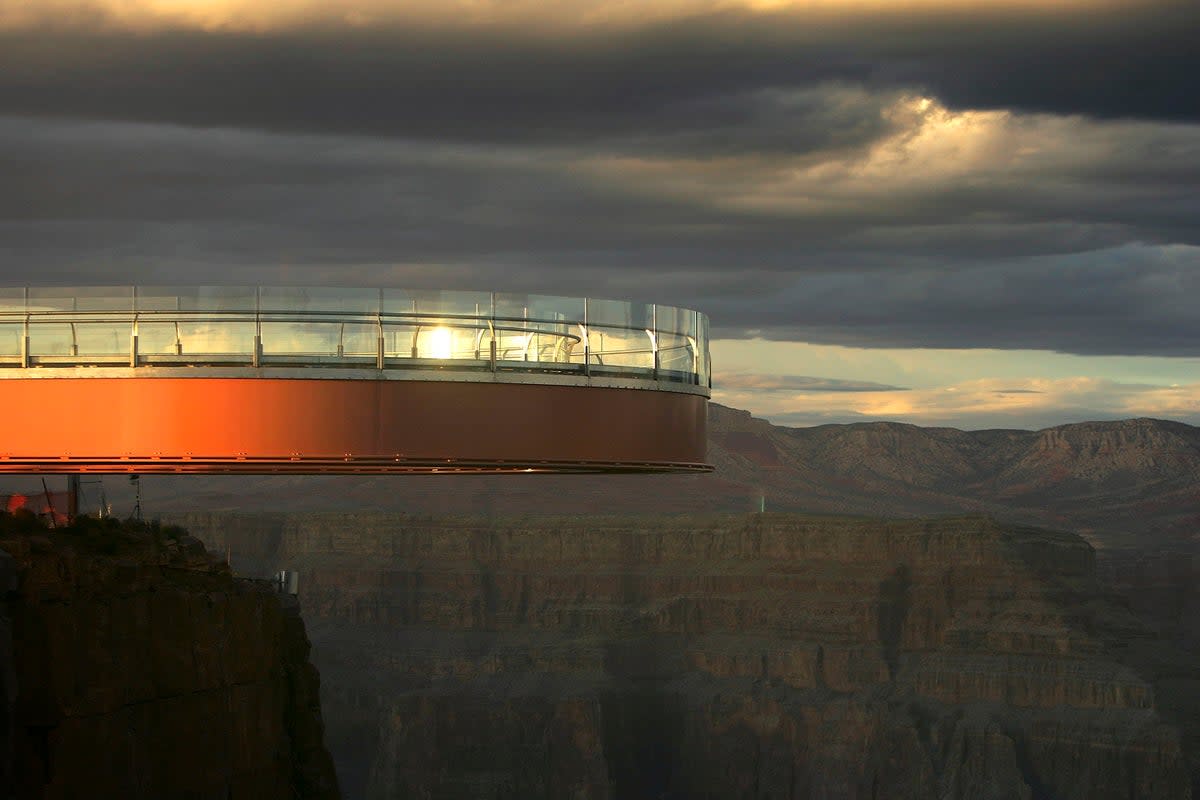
(49, 504)
(72, 497)
(136, 480)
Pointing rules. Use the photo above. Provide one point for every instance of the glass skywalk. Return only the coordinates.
(390, 329)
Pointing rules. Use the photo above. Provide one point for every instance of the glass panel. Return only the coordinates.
(618, 313)
(617, 336)
(451, 342)
(705, 356)
(196, 298)
(445, 325)
(465, 304)
(615, 347)
(543, 307)
(196, 322)
(542, 328)
(320, 299)
(679, 351)
(397, 340)
(194, 340)
(359, 340)
(217, 338)
(10, 338)
(103, 338)
(515, 342)
(12, 299)
(81, 298)
(676, 354)
(562, 345)
(158, 338)
(156, 298)
(51, 339)
(313, 338)
(669, 319)
(333, 338)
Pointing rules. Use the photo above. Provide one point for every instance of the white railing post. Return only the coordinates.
(587, 342)
(380, 351)
(653, 333)
(133, 336)
(492, 331)
(256, 358)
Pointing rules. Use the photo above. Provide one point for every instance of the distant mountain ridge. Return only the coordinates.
(1133, 475)
(1115, 482)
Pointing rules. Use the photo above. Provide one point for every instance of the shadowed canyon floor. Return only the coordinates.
(765, 656)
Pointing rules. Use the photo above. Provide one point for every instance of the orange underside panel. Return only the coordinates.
(260, 425)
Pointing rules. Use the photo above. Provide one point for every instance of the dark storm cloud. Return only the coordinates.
(1084, 249)
(706, 80)
(1133, 300)
(446, 86)
(777, 171)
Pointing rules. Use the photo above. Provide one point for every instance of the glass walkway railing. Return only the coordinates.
(267, 326)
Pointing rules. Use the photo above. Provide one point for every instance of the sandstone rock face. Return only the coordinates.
(758, 656)
(139, 668)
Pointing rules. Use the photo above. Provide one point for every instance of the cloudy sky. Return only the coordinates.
(954, 212)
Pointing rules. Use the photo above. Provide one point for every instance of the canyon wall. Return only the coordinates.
(766, 656)
(133, 665)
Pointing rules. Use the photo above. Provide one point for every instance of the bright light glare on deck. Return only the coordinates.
(440, 343)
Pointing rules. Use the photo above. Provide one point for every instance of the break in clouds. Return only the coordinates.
(950, 175)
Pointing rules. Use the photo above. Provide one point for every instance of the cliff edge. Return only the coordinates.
(132, 664)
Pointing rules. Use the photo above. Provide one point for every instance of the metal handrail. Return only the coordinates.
(558, 338)
(296, 315)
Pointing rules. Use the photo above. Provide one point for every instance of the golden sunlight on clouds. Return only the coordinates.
(254, 15)
(959, 388)
(890, 6)
(984, 399)
(928, 149)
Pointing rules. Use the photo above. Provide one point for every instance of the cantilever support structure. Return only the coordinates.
(144, 422)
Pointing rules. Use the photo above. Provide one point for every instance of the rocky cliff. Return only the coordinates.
(729, 656)
(134, 666)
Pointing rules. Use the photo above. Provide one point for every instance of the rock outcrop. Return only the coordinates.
(765, 656)
(133, 665)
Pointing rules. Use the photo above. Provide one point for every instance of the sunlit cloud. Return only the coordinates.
(926, 368)
(960, 388)
(983, 156)
(251, 15)
(1038, 402)
(753, 382)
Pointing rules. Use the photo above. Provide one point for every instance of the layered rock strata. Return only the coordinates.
(137, 667)
(765, 656)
